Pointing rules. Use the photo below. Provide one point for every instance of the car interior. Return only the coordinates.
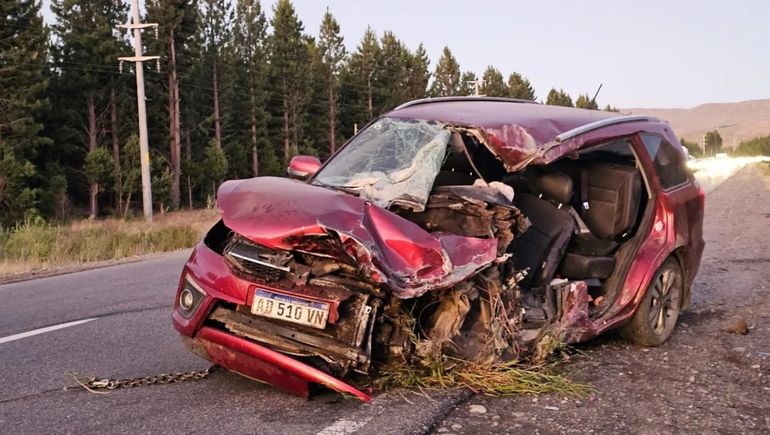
(583, 208)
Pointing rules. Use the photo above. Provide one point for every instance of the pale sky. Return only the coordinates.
(650, 53)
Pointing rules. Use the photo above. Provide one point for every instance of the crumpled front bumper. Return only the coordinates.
(209, 271)
(258, 362)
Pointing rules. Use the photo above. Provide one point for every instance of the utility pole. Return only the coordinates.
(138, 59)
(476, 86)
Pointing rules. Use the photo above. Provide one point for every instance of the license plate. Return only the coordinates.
(290, 309)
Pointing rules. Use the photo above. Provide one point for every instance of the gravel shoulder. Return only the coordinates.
(703, 380)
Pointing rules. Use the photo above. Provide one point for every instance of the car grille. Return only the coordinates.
(255, 260)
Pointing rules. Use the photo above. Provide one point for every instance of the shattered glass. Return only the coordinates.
(393, 161)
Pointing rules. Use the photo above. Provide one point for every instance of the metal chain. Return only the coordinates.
(94, 383)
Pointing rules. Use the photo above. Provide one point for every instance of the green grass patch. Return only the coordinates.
(34, 244)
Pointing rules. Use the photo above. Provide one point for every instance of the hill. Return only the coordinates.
(734, 121)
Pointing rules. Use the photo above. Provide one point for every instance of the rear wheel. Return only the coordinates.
(656, 316)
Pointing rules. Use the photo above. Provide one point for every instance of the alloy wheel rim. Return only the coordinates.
(663, 305)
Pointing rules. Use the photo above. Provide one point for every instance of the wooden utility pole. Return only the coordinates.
(476, 86)
(138, 59)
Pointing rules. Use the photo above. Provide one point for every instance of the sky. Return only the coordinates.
(646, 54)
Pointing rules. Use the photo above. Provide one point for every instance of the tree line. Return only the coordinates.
(713, 144)
(234, 95)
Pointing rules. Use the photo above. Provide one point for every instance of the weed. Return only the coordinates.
(498, 379)
(35, 244)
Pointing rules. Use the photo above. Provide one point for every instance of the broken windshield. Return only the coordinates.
(392, 161)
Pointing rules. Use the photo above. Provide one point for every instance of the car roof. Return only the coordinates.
(513, 128)
(542, 121)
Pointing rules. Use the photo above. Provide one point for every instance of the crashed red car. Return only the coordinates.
(480, 228)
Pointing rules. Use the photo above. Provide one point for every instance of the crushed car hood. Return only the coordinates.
(285, 214)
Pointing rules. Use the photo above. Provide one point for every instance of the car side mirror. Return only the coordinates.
(303, 167)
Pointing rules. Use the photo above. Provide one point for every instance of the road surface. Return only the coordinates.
(703, 380)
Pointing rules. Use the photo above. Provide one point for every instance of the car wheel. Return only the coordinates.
(656, 315)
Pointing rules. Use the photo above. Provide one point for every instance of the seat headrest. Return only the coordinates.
(554, 186)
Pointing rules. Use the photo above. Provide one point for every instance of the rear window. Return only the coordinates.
(669, 161)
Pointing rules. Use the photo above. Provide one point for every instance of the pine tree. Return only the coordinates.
(446, 78)
(177, 21)
(251, 60)
(493, 85)
(216, 22)
(333, 56)
(23, 83)
(289, 70)
(418, 74)
(87, 44)
(315, 119)
(585, 102)
(520, 87)
(363, 67)
(391, 75)
(559, 98)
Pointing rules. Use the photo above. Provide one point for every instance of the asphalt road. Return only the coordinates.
(130, 334)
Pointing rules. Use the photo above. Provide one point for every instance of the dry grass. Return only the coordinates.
(497, 379)
(34, 246)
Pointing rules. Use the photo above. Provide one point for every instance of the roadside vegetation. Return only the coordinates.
(759, 146)
(34, 244)
(496, 379)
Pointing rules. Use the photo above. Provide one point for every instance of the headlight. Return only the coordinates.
(190, 297)
(186, 299)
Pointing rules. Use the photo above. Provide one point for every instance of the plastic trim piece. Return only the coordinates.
(469, 98)
(569, 134)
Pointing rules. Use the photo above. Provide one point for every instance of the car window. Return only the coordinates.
(616, 151)
(620, 148)
(669, 162)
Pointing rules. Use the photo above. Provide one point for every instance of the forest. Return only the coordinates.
(235, 94)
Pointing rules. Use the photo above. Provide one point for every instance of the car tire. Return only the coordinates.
(656, 316)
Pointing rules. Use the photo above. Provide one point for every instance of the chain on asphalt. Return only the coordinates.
(94, 384)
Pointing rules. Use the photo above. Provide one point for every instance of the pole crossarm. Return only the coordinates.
(137, 26)
(139, 58)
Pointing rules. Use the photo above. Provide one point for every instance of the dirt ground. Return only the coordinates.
(703, 380)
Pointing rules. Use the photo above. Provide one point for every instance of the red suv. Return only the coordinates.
(480, 228)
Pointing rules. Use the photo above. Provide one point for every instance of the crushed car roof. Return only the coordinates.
(511, 128)
(542, 122)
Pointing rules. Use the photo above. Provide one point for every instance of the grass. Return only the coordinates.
(764, 167)
(32, 245)
(497, 379)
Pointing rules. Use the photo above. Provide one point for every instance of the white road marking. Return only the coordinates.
(344, 426)
(359, 419)
(43, 330)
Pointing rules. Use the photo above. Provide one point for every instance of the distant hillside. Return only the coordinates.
(735, 121)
